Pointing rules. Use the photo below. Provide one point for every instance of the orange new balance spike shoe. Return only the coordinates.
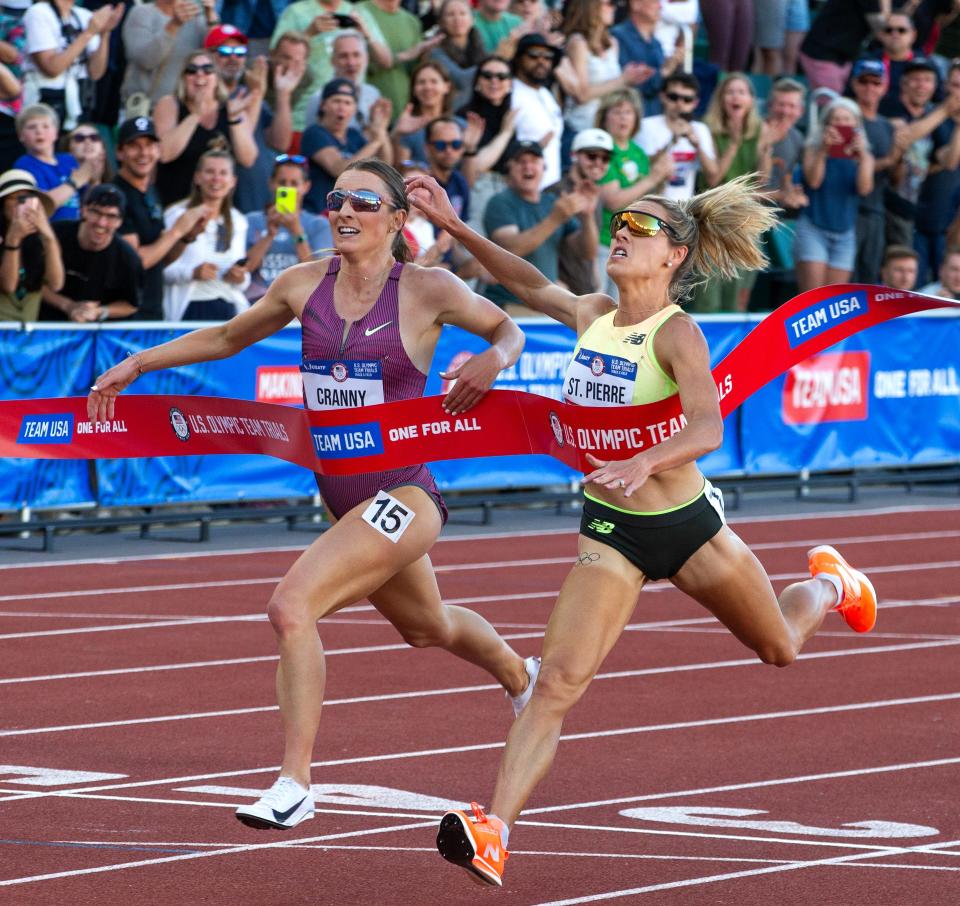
(859, 604)
(474, 844)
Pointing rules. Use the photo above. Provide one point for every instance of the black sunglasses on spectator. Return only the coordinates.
(194, 68)
(676, 97)
(497, 76)
(896, 30)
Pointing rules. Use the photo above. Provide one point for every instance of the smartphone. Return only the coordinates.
(286, 200)
(843, 148)
(345, 21)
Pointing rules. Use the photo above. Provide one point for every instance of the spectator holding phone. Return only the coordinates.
(837, 172)
(323, 21)
(283, 234)
(207, 282)
(677, 133)
(30, 254)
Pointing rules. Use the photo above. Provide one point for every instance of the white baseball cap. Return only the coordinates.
(592, 138)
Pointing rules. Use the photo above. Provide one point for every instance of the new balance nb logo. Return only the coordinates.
(492, 853)
(635, 338)
(601, 527)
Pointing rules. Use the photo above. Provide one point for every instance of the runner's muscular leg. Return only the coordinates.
(410, 600)
(344, 565)
(726, 577)
(596, 601)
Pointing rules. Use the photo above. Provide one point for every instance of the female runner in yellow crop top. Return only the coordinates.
(654, 515)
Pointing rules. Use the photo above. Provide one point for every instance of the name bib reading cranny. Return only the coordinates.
(341, 383)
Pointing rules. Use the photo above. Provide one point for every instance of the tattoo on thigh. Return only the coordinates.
(587, 558)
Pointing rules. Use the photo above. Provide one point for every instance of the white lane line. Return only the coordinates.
(477, 747)
(449, 568)
(426, 693)
(860, 771)
(934, 641)
(473, 537)
(775, 577)
(227, 851)
(730, 876)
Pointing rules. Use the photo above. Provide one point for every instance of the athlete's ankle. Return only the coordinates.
(501, 826)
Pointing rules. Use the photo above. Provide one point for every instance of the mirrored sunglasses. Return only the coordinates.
(297, 159)
(441, 145)
(639, 223)
(226, 50)
(360, 200)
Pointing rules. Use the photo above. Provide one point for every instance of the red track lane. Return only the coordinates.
(690, 773)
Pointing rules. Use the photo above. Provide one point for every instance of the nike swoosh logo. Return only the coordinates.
(282, 816)
(369, 332)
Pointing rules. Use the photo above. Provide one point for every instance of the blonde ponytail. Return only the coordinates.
(722, 230)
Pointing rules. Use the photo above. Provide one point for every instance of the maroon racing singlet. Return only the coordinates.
(361, 367)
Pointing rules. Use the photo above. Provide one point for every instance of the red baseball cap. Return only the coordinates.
(220, 34)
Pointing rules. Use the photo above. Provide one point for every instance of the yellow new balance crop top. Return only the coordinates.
(616, 366)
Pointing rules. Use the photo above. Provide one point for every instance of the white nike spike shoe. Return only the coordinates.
(519, 702)
(283, 806)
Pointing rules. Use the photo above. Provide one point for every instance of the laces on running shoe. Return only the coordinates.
(282, 789)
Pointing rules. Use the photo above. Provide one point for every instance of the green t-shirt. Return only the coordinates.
(297, 17)
(25, 309)
(494, 32)
(745, 161)
(402, 31)
(627, 166)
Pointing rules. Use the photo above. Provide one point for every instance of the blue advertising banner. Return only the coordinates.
(887, 396)
(35, 364)
(261, 372)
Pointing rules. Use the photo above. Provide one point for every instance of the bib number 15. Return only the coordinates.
(388, 516)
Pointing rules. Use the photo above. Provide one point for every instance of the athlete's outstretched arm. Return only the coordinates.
(519, 276)
(261, 320)
(455, 303)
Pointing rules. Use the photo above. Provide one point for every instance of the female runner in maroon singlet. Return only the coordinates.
(370, 325)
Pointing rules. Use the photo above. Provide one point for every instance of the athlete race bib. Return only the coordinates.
(341, 383)
(599, 379)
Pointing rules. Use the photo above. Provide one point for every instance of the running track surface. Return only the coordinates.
(138, 712)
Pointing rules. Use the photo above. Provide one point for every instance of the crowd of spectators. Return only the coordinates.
(165, 160)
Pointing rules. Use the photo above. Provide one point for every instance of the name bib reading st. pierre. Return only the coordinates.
(341, 383)
(599, 379)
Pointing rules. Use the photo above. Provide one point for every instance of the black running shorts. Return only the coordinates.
(657, 544)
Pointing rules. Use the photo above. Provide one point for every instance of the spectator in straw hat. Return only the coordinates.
(30, 255)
